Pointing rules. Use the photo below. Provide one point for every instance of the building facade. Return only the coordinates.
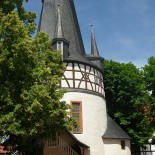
(83, 80)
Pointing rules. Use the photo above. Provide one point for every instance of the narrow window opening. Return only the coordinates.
(123, 144)
(60, 46)
(77, 115)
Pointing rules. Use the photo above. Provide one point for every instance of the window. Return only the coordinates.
(77, 115)
(123, 144)
(60, 46)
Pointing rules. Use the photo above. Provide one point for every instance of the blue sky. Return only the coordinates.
(124, 29)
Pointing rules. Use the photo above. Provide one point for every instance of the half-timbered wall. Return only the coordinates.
(81, 76)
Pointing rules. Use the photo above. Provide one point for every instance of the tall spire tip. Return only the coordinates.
(91, 27)
(94, 49)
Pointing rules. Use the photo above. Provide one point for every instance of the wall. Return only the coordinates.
(94, 120)
(80, 76)
(113, 147)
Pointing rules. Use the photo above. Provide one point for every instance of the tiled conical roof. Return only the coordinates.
(59, 20)
(71, 30)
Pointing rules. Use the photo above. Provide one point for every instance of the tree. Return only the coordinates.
(27, 18)
(30, 105)
(149, 77)
(128, 100)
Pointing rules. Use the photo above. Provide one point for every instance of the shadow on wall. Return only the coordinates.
(110, 141)
(117, 144)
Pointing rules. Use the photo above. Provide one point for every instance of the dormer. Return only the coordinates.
(59, 42)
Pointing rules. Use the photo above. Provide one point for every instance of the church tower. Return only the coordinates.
(83, 77)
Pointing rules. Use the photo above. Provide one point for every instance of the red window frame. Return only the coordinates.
(79, 128)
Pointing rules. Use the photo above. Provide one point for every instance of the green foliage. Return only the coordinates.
(149, 77)
(30, 96)
(128, 100)
(6, 6)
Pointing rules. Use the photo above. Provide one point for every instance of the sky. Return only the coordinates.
(124, 29)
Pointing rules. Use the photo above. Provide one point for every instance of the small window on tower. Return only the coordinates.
(77, 115)
(123, 144)
(60, 46)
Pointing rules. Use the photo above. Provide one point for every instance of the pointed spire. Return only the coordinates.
(94, 49)
(59, 29)
(63, 21)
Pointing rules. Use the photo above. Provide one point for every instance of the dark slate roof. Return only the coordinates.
(71, 30)
(114, 131)
(59, 20)
(97, 60)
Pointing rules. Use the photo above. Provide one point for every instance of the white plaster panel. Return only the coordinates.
(91, 77)
(70, 83)
(76, 67)
(96, 79)
(68, 74)
(113, 147)
(77, 83)
(82, 67)
(87, 69)
(96, 72)
(83, 85)
(64, 83)
(93, 86)
(94, 120)
(78, 75)
(101, 84)
(102, 91)
(97, 87)
(92, 71)
(89, 86)
(69, 67)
